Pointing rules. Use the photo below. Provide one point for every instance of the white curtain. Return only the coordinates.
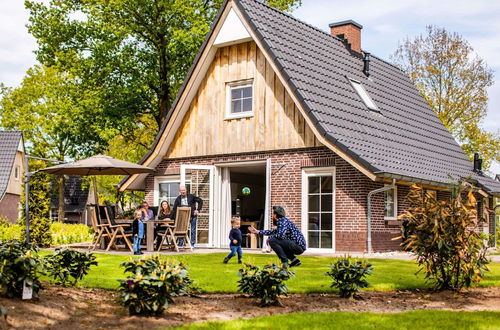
(225, 206)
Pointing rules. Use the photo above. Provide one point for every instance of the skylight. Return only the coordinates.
(367, 100)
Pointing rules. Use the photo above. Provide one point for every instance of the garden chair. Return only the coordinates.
(178, 230)
(123, 231)
(101, 230)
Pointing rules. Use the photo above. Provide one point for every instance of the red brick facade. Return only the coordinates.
(352, 188)
(9, 207)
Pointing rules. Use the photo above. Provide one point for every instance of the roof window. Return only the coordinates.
(367, 100)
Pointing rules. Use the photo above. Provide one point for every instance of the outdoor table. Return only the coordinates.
(253, 237)
(150, 232)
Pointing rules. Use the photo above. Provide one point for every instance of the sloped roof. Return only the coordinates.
(404, 139)
(9, 143)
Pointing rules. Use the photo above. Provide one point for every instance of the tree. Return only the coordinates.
(49, 109)
(454, 82)
(133, 54)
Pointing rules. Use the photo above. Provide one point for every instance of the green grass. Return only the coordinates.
(344, 320)
(211, 275)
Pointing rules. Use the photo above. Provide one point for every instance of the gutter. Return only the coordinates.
(369, 206)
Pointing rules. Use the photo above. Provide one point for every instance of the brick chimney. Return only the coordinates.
(350, 31)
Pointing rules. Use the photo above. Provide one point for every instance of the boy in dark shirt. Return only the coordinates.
(235, 240)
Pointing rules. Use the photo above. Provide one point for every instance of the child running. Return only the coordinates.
(235, 240)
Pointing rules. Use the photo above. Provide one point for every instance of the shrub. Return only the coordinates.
(266, 284)
(10, 231)
(66, 263)
(349, 276)
(65, 233)
(445, 237)
(152, 285)
(19, 265)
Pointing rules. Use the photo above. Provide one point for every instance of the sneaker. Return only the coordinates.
(239, 261)
(295, 262)
(136, 253)
(226, 259)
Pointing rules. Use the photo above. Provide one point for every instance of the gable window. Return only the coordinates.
(391, 204)
(240, 99)
(17, 171)
(363, 94)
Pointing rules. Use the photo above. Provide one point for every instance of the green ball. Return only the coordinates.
(245, 191)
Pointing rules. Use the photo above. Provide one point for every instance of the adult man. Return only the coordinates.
(286, 239)
(192, 201)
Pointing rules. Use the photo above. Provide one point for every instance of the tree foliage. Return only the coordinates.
(454, 82)
(446, 237)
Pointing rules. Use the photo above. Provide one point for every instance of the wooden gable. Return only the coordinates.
(276, 122)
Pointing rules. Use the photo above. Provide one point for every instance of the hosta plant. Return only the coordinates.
(266, 284)
(446, 236)
(152, 283)
(348, 276)
(19, 266)
(68, 266)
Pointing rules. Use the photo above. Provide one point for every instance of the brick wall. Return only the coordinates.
(352, 188)
(9, 207)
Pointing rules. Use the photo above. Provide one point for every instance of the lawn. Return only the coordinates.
(344, 320)
(211, 275)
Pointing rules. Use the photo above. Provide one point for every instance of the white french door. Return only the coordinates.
(201, 185)
(318, 208)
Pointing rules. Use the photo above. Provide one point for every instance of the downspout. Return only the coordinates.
(369, 206)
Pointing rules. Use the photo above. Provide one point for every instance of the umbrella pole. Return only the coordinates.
(94, 183)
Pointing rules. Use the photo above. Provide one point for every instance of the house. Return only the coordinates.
(11, 173)
(304, 119)
(76, 197)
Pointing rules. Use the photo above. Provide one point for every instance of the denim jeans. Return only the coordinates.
(234, 250)
(285, 249)
(137, 243)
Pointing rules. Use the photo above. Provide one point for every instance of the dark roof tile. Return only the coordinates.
(9, 143)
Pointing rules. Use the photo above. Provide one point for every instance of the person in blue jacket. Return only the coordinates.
(234, 240)
(138, 231)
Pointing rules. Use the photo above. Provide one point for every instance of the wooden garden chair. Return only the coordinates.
(101, 230)
(179, 230)
(118, 231)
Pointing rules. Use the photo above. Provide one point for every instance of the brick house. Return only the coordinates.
(11, 173)
(306, 120)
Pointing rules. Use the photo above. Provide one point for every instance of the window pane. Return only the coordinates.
(313, 203)
(235, 93)
(327, 203)
(247, 105)
(389, 203)
(326, 221)
(326, 184)
(247, 91)
(313, 184)
(313, 221)
(326, 240)
(236, 106)
(313, 239)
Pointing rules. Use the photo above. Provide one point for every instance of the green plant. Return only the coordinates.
(66, 263)
(152, 284)
(65, 233)
(266, 284)
(445, 236)
(349, 275)
(10, 231)
(19, 266)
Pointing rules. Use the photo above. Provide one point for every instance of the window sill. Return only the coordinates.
(393, 222)
(240, 116)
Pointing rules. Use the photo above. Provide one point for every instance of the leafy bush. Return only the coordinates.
(445, 236)
(65, 233)
(66, 263)
(19, 265)
(266, 284)
(152, 285)
(39, 231)
(10, 231)
(349, 275)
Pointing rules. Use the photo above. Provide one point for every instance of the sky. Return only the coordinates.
(385, 24)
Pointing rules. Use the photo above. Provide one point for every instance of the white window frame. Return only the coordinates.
(163, 179)
(395, 196)
(363, 94)
(239, 84)
(318, 171)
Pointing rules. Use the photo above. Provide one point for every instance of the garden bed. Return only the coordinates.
(70, 308)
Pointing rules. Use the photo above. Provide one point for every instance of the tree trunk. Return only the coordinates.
(60, 192)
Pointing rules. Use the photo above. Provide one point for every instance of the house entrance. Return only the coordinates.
(243, 192)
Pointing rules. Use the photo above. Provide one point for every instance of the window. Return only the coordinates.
(240, 99)
(168, 190)
(391, 204)
(363, 94)
(17, 170)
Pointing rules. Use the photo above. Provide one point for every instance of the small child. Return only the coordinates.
(137, 231)
(235, 240)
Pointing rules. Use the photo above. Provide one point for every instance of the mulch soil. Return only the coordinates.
(77, 308)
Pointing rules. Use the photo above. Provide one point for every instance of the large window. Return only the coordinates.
(391, 204)
(240, 99)
(168, 190)
(320, 210)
